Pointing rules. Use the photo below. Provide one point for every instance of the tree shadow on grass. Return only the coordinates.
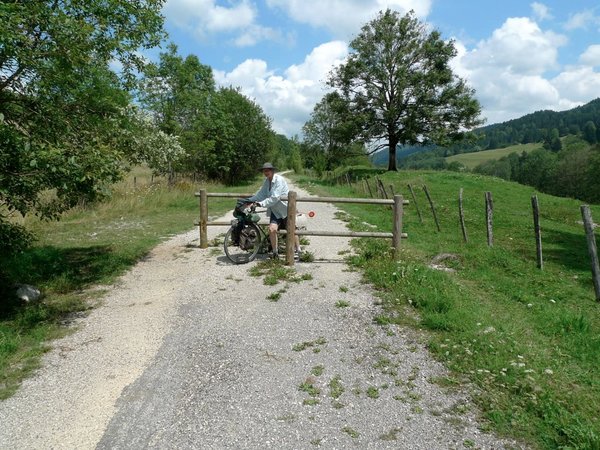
(60, 270)
(567, 249)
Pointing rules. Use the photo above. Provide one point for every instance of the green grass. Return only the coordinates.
(529, 340)
(89, 246)
(472, 160)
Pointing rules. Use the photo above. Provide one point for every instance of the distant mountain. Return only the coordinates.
(539, 126)
(535, 127)
(381, 158)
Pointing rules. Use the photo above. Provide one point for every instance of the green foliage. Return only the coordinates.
(572, 172)
(225, 135)
(330, 132)
(62, 111)
(400, 88)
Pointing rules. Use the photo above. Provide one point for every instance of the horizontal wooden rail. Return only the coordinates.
(396, 235)
(372, 201)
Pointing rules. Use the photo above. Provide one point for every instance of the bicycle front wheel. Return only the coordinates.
(248, 245)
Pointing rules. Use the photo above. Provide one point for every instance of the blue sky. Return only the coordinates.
(519, 56)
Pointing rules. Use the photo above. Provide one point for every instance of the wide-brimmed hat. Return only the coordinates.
(267, 166)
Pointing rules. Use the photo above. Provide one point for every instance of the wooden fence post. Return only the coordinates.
(588, 224)
(437, 224)
(538, 233)
(369, 187)
(489, 216)
(415, 202)
(290, 228)
(461, 213)
(397, 230)
(203, 219)
(382, 188)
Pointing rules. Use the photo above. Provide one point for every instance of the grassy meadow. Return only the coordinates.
(527, 340)
(89, 246)
(472, 160)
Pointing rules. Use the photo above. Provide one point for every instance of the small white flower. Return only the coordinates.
(520, 356)
(529, 305)
(552, 300)
(548, 372)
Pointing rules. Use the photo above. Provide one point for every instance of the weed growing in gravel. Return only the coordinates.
(304, 240)
(309, 344)
(351, 432)
(342, 304)
(391, 435)
(316, 442)
(372, 392)
(275, 271)
(275, 296)
(311, 401)
(306, 256)
(317, 370)
(343, 288)
(310, 389)
(336, 388)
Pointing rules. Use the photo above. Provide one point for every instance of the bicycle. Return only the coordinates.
(245, 239)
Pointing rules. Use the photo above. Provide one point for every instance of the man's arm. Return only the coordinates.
(261, 194)
(278, 190)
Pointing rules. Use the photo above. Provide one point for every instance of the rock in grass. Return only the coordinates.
(28, 293)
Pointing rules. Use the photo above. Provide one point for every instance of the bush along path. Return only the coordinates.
(189, 351)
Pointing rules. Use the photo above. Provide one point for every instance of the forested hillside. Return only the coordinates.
(541, 126)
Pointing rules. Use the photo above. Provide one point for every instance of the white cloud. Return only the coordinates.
(582, 20)
(288, 98)
(540, 11)
(578, 84)
(591, 56)
(344, 18)
(509, 72)
(519, 46)
(204, 18)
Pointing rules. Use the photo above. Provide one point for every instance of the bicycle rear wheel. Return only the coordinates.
(249, 244)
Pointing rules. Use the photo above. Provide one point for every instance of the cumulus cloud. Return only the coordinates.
(591, 56)
(519, 46)
(582, 20)
(344, 18)
(288, 97)
(508, 70)
(204, 18)
(578, 84)
(540, 11)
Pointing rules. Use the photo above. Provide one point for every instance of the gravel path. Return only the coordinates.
(187, 352)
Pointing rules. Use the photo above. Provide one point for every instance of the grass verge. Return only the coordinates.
(529, 340)
(89, 246)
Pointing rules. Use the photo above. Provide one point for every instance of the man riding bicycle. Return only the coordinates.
(269, 196)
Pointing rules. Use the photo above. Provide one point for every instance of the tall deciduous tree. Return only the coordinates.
(240, 137)
(401, 87)
(61, 108)
(331, 128)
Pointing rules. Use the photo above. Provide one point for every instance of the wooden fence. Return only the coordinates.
(396, 235)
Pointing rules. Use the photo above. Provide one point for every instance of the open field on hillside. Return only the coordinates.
(472, 160)
(528, 340)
